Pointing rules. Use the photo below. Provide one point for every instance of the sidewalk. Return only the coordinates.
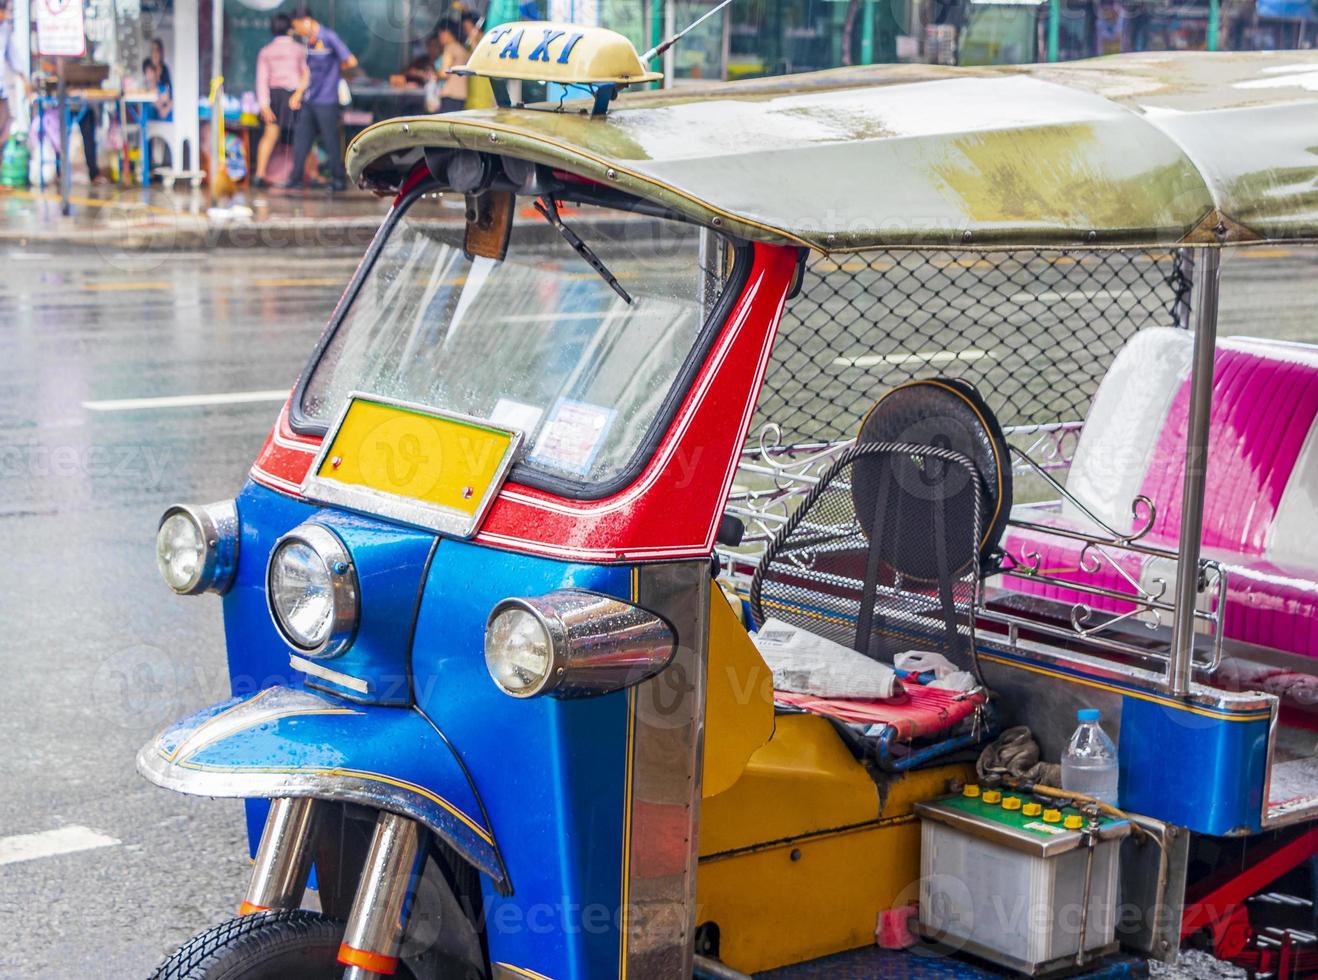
(154, 220)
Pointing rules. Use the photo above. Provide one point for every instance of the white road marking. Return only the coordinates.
(1077, 296)
(48, 843)
(553, 317)
(923, 357)
(186, 401)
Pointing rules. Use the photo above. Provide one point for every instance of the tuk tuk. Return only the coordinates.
(634, 398)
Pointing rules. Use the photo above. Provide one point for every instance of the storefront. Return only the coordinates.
(755, 37)
(1000, 32)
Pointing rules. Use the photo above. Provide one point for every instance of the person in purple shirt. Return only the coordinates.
(327, 58)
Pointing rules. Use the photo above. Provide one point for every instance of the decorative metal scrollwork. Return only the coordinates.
(1103, 571)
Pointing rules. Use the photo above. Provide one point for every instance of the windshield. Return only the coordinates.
(538, 342)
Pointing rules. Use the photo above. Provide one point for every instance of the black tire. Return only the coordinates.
(286, 944)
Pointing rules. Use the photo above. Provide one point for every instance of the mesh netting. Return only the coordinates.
(1034, 331)
(882, 555)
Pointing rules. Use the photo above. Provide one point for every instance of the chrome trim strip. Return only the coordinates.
(665, 766)
(176, 769)
(418, 513)
(1131, 680)
(1283, 817)
(324, 673)
(506, 971)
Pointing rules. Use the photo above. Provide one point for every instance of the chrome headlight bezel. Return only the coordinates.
(344, 592)
(597, 643)
(217, 526)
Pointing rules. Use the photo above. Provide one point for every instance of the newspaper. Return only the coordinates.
(805, 663)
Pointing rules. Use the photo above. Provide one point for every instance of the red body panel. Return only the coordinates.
(672, 509)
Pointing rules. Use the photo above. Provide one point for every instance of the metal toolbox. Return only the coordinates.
(1015, 881)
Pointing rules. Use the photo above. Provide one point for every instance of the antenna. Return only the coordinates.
(663, 46)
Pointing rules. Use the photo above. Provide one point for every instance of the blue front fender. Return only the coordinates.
(290, 742)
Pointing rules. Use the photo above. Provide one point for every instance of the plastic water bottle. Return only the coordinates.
(1090, 763)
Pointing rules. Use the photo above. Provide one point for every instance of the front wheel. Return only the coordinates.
(284, 944)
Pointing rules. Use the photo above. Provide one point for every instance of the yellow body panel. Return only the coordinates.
(563, 53)
(802, 853)
(441, 461)
(738, 698)
(802, 781)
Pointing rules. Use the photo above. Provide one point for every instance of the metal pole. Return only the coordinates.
(1181, 662)
(1183, 277)
(21, 17)
(186, 72)
(670, 28)
(1214, 23)
(725, 52)
(1054, 27)
(65, 157)
(217, 107)
(407, 35)
(656, 33)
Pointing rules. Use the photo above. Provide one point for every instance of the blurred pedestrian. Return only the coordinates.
(15, 88)
(281, 82)
(452, 88)
(422, 68)
(157, 58)
(479, 93)
(164, 103)
(327, 58)
(471, 28)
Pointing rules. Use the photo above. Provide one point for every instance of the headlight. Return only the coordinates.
(197, 547)
(573, 644)
(311, 587)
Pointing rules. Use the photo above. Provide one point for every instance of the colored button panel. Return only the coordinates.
(1011, 810)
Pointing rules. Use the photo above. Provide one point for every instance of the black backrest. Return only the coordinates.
(883, 554)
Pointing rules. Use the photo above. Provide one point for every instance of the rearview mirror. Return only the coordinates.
(489, 224)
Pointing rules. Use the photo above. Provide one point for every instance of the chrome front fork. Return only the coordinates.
(283, 859)
(379, 910)
(378, 918)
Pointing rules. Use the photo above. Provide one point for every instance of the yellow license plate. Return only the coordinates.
(405, 462)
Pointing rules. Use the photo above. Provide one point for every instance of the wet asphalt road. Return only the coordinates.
(95, 653)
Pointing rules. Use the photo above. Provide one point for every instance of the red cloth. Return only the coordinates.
(919, 713)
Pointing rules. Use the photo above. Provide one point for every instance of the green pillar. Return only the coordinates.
(1214, 23)
(656, 34)
(1054, 27)
(500, 12)
(867, 33)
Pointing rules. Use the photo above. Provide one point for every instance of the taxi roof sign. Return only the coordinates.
(539, 51)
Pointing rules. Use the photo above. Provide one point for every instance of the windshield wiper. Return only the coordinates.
(547, 206)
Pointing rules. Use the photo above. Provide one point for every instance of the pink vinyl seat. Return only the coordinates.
(1261, 505)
